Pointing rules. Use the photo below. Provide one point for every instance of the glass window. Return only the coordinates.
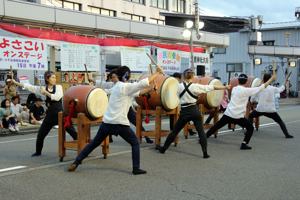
(134, 17)
(157, 21)
(102, 11)
(137, 1)
(160, 3)
(68, 5)
(178, 6)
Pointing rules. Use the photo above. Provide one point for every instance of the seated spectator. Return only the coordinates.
(24, 114)
(16, 108)
(30, 100)
(37, 112)
(8, 119)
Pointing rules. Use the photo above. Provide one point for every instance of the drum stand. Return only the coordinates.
(157, 133)
(83, 135)
(203, 110)
(249, 109)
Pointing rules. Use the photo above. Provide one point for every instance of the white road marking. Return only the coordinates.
(12, 168)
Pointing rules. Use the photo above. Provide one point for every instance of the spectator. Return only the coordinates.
(37, 112)
(8, 120)
(16, 108)
(24, 115)
(30, 100)
(10, 89)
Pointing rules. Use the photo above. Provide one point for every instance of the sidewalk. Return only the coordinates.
(289, 101)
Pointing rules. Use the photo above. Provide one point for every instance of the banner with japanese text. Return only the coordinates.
(169, 60)
(135, 58)
(75, 56)
(21, 53)
(204, 60)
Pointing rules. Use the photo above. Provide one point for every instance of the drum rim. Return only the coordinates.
(217, 80)
(86, 102)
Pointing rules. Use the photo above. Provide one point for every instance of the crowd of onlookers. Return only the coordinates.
(13, 114)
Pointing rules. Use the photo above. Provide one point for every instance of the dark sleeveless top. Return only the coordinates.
(53, 106)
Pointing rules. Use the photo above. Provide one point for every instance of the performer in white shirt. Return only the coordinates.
(266, 105)
(54, 94)
(236, 109)
(115, 119)
(188, 93)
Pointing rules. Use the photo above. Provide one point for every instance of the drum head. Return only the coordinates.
(168, 93)
(256, 82)
(215, 97)
(97, 103)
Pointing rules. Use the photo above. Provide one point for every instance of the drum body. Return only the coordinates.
(251, 82)
(165, 94)
(213, 98)
(90, 100)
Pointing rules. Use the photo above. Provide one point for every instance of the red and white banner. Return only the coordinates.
(28, 54)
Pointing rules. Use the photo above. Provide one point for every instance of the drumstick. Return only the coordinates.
(152, 61)
(288, 76)
(86, 72)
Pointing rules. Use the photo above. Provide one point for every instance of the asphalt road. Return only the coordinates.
(270, 171)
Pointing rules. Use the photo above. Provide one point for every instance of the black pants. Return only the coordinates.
(50, 120)
(132, 117)
(187, 114)
(116, 129)
(243, 122)
(274, 116)
(11, 121)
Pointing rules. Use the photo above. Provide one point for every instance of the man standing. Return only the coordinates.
(266, 105)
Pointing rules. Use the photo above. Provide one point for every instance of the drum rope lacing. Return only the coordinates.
(147, 119)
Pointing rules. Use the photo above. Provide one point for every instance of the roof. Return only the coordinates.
(281, 25)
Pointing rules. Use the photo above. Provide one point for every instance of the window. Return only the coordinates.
(219, 50)
(137, 1)
(234, 67)
(102, 11)
(134, 17)
(269, 42)
(69, 5)
(178, 6)
(163, 4)
(157, 21)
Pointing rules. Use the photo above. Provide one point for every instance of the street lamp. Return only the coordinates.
(188, 33)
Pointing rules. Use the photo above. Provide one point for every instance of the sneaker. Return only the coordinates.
(72, 167)
(148, 140)
(161, 150)
(289, 136)
(205, 155)
(191, 132)
(137, 171)
(244, 146)
(11, 128)
(17, 128)
(36, 154)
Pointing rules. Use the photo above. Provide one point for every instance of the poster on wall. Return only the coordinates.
(75, 56)
(169, 60)
(23, 53)
(204, 60)
(185, 60)
(135, 58)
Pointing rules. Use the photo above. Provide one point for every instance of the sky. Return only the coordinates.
(271, 10)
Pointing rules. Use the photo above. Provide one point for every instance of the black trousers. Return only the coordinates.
(50, 120)
(11, 121)
(132, 117)
(243, 122)
(274, 116)
(187, 114)
(116, 129)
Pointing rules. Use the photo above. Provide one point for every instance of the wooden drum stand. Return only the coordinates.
(83, 135)
(157, 133)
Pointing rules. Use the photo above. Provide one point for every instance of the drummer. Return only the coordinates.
(54, 94)
(236, 109)
(266, 105)
(112, 79)
(115, 119)
(189, 110)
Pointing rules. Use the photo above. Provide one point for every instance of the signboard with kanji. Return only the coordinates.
(135, 58)
(169, 60)
(75, 56)
(23, 53)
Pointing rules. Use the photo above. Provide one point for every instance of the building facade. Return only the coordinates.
(137, 10)
(235, 59)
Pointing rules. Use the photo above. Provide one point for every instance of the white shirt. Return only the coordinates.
(37, 90)
(120, 101)
(266, 99)
(16, 109)
(195, 89)
(239, 98)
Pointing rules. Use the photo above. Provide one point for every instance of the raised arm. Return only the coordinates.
(29, 87)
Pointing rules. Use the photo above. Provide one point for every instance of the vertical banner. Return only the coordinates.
(204, 60)
(135, 58)
(169, 60)
(75, 56)
(25, 54)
